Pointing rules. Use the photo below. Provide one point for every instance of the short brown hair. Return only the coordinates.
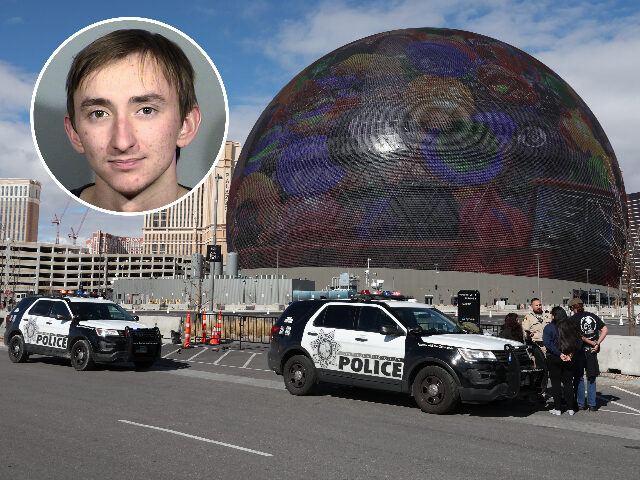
(119, 44)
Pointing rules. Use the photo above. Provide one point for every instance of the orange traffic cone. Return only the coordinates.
(204, 326)
(216, 330)
(187, 331)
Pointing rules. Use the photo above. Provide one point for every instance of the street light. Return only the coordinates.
(539, 293)
(588, 289)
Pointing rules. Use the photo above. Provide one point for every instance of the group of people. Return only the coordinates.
(566, 348)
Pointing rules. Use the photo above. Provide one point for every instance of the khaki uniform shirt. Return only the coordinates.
(535, 324)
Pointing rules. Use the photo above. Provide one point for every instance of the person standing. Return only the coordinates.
(512, 328)
(593, 331)
(533, 326)
(562, 341)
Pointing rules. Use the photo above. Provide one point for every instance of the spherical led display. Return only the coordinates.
(429, 146)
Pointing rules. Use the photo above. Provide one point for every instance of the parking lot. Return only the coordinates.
(217, 411)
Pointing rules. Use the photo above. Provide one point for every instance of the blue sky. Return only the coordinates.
(259, 45)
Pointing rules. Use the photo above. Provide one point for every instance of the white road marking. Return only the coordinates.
(202, 350)
(194, 437)
(248, 361)
(615, 411)
(618, 403)
(627, 391)
(170, 353)
(217, 362)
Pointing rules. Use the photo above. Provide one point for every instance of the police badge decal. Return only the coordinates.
(325, 349)
(31, 329)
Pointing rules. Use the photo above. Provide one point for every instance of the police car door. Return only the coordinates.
(33, 323)
(379, 357)
(56, 326)
(327, 334)
(340, 350)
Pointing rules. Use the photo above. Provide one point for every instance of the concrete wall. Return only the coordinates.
(420, 283)
(620, 353)
(262, 290)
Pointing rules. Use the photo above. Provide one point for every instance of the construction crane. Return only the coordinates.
(74, 233)
(56, 221)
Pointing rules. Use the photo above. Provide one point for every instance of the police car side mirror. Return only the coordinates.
(62, 316)
(390, 330)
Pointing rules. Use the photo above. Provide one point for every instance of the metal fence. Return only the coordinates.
(241, 328)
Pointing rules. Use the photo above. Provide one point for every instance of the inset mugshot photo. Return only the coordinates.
(129, 115)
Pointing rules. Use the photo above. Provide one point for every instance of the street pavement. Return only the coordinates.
(216, 412)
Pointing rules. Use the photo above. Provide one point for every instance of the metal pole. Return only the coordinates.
(539, 292)
(216, 177)
(588, 289)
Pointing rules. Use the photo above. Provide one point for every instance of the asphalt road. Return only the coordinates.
(205, 413)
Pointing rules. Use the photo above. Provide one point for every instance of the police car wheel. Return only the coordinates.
(81, 358)
(299, 375)
(17, 353)
(435, 391)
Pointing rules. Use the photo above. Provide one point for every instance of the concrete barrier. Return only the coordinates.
(165, 323)
(621, 353)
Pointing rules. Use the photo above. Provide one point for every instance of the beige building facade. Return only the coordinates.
(188, 226)
(19, 209)
(45, 268)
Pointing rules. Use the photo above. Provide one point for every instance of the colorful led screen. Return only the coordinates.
(429, 146)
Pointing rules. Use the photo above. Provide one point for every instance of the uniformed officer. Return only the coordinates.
(533, 324)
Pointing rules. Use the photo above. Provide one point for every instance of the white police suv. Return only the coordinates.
(399, 346)
(84, 329)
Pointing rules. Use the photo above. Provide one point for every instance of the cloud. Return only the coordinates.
(16, 90)
(243, 116)
(13, 20)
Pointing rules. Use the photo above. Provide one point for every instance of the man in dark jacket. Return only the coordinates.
(593, 331)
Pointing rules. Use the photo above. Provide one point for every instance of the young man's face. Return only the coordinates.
(127, 123)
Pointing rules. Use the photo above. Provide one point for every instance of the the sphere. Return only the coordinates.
(429, 146)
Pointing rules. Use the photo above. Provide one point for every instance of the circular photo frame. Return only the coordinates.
(117, 134)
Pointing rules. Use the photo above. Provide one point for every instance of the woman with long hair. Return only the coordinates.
(563, 341)
(512, 328)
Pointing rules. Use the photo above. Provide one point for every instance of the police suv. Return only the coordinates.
(84, 329)
(396, 345)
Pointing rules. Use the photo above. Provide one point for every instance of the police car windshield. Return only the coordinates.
(99, 311)
(428, 320)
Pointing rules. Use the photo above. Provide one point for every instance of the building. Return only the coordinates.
(19, 209)
(188, 226)
(43, 268)
(633, 209)
(431, 153)
(101, 242)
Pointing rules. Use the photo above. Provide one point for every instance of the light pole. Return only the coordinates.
(366, 276)
(216, 177)
(539, 293)
(588, 289)
(435, 285)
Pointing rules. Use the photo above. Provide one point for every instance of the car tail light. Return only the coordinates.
(274, 330)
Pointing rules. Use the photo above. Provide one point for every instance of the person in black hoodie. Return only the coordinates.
(512, 329)
(562, 340)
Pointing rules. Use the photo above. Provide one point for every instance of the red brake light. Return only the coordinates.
(274, 330)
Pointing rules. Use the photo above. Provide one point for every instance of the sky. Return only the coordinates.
(259, 45)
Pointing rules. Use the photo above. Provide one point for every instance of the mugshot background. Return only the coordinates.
(69, 168)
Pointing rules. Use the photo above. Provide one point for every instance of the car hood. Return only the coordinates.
(114, 324)
(477, 342)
